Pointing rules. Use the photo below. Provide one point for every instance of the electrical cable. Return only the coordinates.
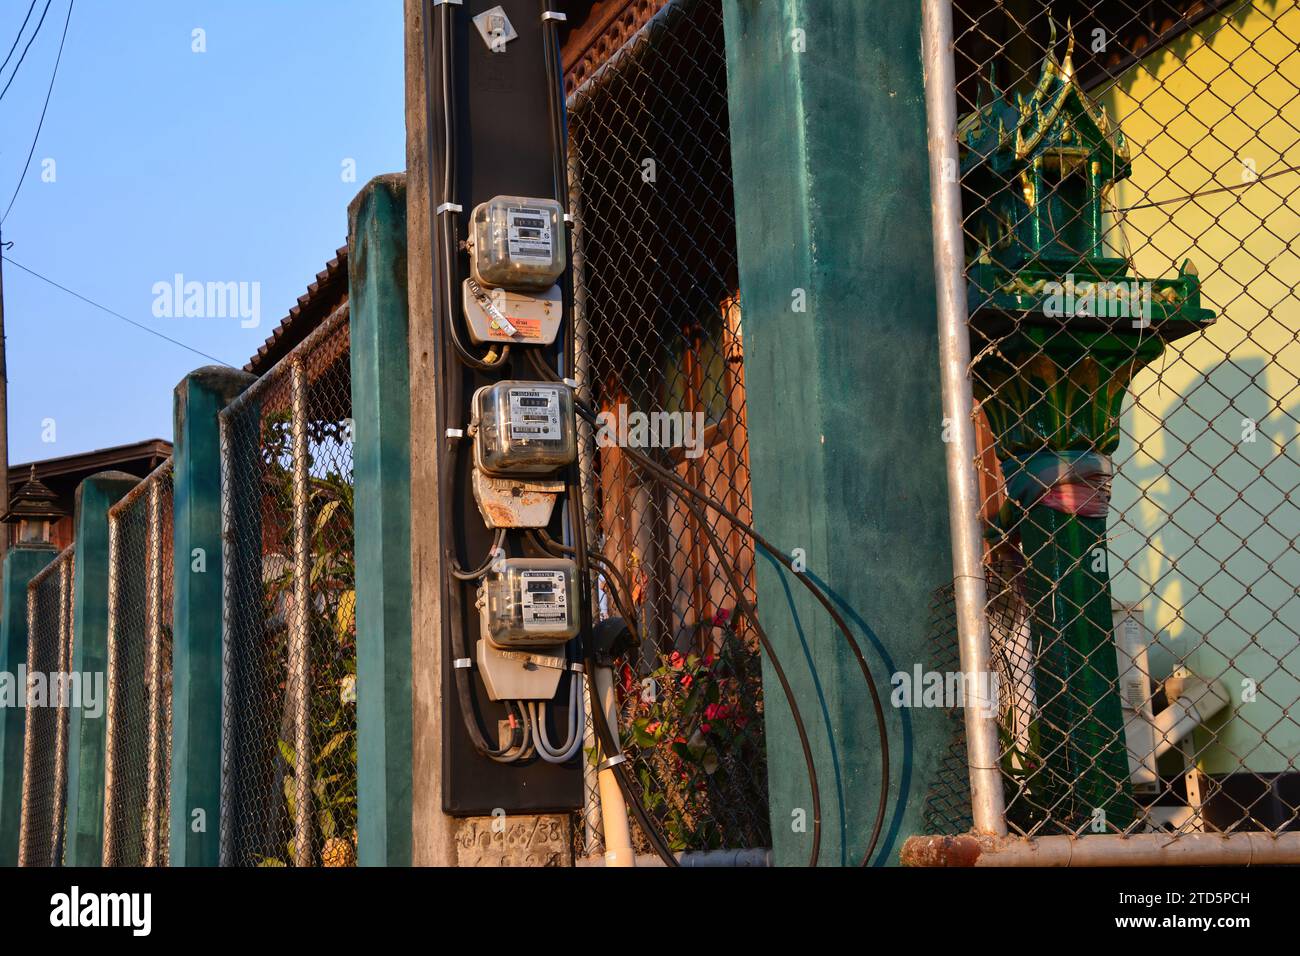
(493, 552)
(30, 41)
(577, 727)
(117, 315)
(667, 477)
(443, 245)
(746, 610)
(573, 490)
(18, 37)
(447, 221)
(40, 125)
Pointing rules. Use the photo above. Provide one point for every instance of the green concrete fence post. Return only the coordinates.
(84, 845)
(20, 565)
(197, 621)
(828, 127)
(381, 463)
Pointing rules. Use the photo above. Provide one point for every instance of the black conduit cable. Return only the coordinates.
(668, 477)
(448, 222)
(518, 747)
(747, 610)
(560, 176)
(473, 575)
(609, 744)
(573, 494)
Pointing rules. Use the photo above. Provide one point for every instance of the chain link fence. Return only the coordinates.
(137, 755)
(660, 355)
(289, 791)
(1129, 189)
(45, 736)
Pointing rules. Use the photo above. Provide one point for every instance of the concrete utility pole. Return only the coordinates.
(501, 136)
(433, 832)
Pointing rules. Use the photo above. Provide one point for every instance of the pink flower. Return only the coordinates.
(676, 661)
(721, 617)
(705, 728)
(717, 712)
(687, 680)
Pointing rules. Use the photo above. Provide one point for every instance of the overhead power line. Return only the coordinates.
(30, 41)
(117, 315)
(18, 37)
(27, 165)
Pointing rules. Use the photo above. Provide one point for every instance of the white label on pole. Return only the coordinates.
(530, 234)
(535, 413)
(543, 601)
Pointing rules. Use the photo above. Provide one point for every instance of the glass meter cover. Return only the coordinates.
(523, 428)
(518, 243)
(531, 601)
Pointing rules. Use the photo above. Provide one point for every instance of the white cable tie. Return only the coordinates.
(554, 15)
(576, 667)
(448, 207)
(572, 383)
(461, 663)
(568, 217)
(439, 3)
(455, 433)
(613, 761)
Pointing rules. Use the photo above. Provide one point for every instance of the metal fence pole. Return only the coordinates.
(227, 535)
(61, 737)
(591, 807)
(153, 632)
(114, 688)
(29, 732)
(958, 403)
(300, 623)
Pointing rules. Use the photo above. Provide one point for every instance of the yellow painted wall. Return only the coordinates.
(1205, 522)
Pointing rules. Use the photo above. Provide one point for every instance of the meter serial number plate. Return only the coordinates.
(543, 600)
(529, 234)
(535, 413)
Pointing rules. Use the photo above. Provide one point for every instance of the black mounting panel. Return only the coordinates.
(503, 138)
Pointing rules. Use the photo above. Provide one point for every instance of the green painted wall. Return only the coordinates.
(84, 844)
(20, 566)
(832, 213)
(196, 646)
(382, 469)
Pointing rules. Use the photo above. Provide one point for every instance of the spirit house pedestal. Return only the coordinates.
(1059, 329)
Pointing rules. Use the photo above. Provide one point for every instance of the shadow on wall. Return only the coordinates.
(1201, 532)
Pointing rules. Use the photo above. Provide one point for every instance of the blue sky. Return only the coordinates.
(222, 166)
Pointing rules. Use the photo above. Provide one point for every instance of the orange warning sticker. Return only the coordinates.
(526, 329)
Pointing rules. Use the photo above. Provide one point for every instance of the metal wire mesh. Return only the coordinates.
(137, 761)
(45, 736)
(289, 744)
(659, 320)
(1129, 205)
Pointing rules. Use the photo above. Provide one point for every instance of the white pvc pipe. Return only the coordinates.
(613, 811)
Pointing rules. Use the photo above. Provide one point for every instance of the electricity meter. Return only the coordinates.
(517, 243)
(529, 602)
(523, 428)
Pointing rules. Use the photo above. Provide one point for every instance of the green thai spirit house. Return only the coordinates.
(1059, 328)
